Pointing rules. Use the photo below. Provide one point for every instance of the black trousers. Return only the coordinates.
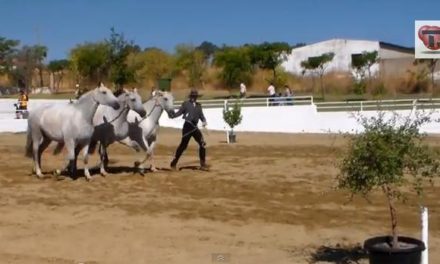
(191, 130)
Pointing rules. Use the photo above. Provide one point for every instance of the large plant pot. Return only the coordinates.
(380, 253)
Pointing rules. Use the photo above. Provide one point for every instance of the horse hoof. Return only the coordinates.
(57, 172)
(89, 178)
(153, 169)
(104, 173)
(137, 164)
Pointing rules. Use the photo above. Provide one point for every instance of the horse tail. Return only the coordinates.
(58, 148)
(29, 143)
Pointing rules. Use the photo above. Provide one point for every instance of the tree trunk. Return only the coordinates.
(322, 86)
(388, 193)
(40, 72)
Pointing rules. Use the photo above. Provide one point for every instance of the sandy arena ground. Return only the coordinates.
(269, 198)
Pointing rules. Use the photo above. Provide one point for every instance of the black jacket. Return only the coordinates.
(191, 111)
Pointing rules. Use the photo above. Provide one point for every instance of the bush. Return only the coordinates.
(385, 156)
(233, 116)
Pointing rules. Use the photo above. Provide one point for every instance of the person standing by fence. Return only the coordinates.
(288, 94)
(242, 90)
(272, 93)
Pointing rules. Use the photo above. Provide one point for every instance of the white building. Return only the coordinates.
(390, 55)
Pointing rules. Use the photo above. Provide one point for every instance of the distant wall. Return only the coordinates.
(283, 119)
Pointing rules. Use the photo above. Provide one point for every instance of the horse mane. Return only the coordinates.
(118, 92)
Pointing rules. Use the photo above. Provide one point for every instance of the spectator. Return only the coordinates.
(242, 90)
(272, 93)
(22, 104)
(288, 94)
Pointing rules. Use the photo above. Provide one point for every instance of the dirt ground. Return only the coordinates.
(270, 198)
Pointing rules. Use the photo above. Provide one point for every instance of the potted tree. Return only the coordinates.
(389, 155)
(232, 116)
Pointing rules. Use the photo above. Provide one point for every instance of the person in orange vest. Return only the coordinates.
(22, 105)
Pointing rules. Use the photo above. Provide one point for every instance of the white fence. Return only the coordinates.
(303, 116)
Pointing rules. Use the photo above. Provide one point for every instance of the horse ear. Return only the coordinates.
(126, 91)
(135, 90)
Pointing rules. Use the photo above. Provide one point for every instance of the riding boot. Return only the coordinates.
(174, 163)
(202, 156)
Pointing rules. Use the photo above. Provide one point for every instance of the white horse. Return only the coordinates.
(69, 125)
(143, 131)
(111, 125)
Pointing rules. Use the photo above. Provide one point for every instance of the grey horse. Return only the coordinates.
(143, 131)
(111, 125)
(70, 125)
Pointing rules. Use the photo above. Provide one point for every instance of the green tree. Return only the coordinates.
(90, 61)
(58, 68)
(390, 155)
(40, 53)
(8, 48)
(119, 50)
(192, 61)
(232, 116)
(236, 65)
(317, 65)
(362, 63)
(26, 61)
(208, 49)
(269, 56)
(152, 64)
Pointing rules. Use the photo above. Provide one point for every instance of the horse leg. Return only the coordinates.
(35, 151)
(150, 157)
(104, 159)
(139, 165)
(86, 162)
(71, 157)
(43, 146)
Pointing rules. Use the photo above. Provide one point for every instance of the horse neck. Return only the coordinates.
(155, 111)
(122, 112)
(87, 105)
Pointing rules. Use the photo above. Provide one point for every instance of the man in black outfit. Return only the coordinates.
(192, 112)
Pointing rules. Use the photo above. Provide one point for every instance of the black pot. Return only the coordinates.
(232, 138)
(385, 255)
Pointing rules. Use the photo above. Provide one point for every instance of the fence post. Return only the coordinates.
(226, 104)
(267, 102)
(424, 220)
(414, 104)
(362, 106)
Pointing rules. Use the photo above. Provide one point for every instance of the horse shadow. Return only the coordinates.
(339, 254)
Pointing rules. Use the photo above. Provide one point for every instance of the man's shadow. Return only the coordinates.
(339, 254)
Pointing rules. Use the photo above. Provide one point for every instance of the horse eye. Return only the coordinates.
(104, 92)
(132, 99)
(166, 99)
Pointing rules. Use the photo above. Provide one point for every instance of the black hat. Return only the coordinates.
(193, 93)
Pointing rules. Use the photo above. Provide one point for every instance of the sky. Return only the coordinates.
(62, 24)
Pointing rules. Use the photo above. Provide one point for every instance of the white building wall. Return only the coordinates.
(343, 50)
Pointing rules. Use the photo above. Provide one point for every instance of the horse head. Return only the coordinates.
(165, 100)
(134, 102)
(104, 96)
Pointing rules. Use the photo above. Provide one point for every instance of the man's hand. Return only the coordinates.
(204, 124)
(171, 114)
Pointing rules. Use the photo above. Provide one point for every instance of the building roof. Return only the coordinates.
(395, 47)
